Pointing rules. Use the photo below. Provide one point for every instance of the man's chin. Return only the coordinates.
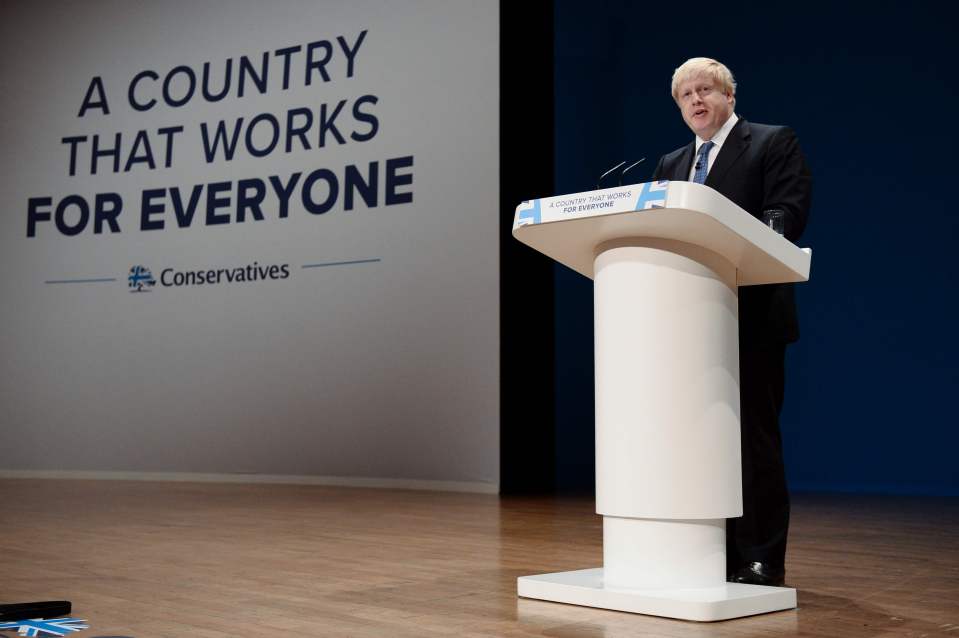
(705, 130)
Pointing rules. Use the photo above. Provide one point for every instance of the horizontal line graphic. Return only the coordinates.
(78, 281)
(341, 263)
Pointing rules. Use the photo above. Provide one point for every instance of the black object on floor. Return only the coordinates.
(26, 611)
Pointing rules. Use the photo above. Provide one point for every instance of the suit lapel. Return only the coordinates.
(685, 164)
(735, 145)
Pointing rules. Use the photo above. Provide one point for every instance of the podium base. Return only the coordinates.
(585, 587)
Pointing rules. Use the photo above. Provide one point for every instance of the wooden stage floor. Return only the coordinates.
(178, 560)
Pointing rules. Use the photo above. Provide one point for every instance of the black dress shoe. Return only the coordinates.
(760, 574)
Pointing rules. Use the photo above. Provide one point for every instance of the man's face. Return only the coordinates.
(704, 106)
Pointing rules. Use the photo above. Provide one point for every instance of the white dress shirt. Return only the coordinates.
(718, 140)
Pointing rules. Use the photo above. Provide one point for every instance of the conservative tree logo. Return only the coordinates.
(140, 279)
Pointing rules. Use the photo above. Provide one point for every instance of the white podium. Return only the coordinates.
(667, 259)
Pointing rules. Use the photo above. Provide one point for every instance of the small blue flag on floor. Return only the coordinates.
(40, 627)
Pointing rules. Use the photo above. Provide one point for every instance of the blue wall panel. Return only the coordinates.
(872, 386)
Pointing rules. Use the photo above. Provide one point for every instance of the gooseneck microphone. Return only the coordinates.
(599, 182)
(629, 168)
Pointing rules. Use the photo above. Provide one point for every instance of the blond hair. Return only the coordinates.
(708, 67)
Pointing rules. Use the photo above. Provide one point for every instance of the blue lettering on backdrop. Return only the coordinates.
(320, 55)
(246, 202)
(208, 95)
(273, 131)
(184, 215)
(149, 207)
(141, 139)
(106, 208)
(366, 118)
(365, 187)
(109, 215)
(247, 70)
(214, 201)
(254, 199)
(285, 53)
(395, 180)
(109, 151)
(190, 76)
(222, 141)
(332, 190)
(63, 221)
(301, 128)
(136, 104)
(298, 132)
(116, 151)
(283, 192)
(96, 85)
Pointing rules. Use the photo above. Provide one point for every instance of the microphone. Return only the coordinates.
(629, 168)
(603, 176)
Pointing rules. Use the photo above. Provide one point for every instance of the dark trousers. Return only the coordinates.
(760, 535)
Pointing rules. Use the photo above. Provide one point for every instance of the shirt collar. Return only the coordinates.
(721, 134)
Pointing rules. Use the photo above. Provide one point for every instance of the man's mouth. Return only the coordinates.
(699, 112)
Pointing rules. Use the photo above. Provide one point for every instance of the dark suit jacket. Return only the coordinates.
(758, 167)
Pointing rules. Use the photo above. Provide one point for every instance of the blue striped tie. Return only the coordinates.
(702, 163)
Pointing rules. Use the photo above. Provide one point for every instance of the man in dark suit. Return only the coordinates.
(760, 168)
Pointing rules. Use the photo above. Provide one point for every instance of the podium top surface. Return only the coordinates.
(570, 228)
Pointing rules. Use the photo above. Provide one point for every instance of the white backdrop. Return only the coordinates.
(386, 368)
